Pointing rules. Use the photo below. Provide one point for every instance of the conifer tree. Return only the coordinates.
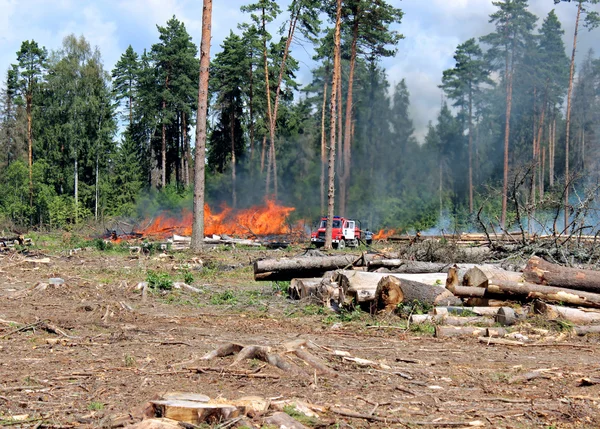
(29, 73)
(125, 80)
(514, 24)
(462, 84)
(591, 21)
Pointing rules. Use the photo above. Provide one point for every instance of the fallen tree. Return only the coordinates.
(286, 269)
(504, 289)
(574, 315)
(542, 272)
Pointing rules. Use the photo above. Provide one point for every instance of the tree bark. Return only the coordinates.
(269, 111)
(323, 143)
(286, 269)
(470, 147)
(163, 148)
(545, 273)
(334, 90)
(568, 119)
(199, 163)
(28, 109)
(509, 89)
(528, 291)
(233, 161)
(359, 287)
(347, 146)
(574, 315)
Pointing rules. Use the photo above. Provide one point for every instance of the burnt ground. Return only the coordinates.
(113, 351)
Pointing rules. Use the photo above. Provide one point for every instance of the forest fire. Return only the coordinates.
(269, 219)
(383, 234)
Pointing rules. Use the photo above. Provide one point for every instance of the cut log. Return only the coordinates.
(480, 276)
(506, 316)
(285, 269)
(584, 330)
(548, 293)
(542, 272)
(409, 267)
(359, 287)
(467, 331)
(451, 320)
(499, 289)
(479, 311)
(459, 331)
(303, 288)
(388, 294)
(193, 412)
(573, 315)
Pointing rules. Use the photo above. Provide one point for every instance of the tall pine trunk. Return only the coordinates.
(333, 110)
(568, 124)
(470, 148)
(233, 161)
(269, 111)
(29, 146)
(187, 151)
(509, 89)
(97, 188)
(347, 146)
(76, 185)
(251, 106)
(323, 143)
(198, 221)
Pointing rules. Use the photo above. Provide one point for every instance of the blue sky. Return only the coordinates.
(432, 30)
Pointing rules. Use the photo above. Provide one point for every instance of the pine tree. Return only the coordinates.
(29, 73)
(174, 59)
(125, 80)
(591, 21)
(463, 83)
(199, 167)
(507, 46)
(372, 37)
(228, 78)
(333, 117)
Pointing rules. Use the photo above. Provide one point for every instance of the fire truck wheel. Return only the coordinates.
(341, 244)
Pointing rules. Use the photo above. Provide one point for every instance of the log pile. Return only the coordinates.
(481, 295)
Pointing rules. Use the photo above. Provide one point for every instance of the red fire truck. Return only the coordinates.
(345, 232)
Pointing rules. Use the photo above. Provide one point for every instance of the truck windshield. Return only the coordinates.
(336, 224)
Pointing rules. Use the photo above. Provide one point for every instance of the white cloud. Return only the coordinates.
(432, 29)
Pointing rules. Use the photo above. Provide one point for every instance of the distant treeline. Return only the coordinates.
(79, 142)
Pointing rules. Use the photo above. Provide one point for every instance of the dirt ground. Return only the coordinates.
(113, 350)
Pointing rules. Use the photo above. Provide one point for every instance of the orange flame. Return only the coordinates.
(270, 219)
(383, 235)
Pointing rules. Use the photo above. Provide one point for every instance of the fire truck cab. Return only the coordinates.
(345, 232)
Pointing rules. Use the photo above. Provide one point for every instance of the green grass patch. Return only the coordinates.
(224, 298)
(95, 406)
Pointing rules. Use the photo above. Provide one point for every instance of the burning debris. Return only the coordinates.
(259, 225)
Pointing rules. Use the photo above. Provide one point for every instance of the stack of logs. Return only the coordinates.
(381, 285)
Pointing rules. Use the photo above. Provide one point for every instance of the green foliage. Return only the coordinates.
(95, 406)
(414, 307)
(227, 297)
(424, 328)
(159, 280)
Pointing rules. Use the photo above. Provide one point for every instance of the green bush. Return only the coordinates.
(157, 280)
